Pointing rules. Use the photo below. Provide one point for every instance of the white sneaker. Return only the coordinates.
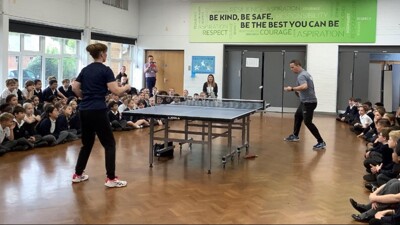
(79, 178)
(115, 183)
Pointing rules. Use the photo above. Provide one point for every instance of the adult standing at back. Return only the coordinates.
(210, 87)
(308, 103)
(121, 73)
(150, 70)
(92, 85)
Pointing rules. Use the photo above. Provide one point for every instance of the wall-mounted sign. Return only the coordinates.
(300, 21)
(203, 64)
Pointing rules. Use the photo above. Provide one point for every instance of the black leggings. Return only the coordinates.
(305, 112)
(96, 122)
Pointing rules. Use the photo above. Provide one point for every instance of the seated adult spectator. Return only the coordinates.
(121, 73)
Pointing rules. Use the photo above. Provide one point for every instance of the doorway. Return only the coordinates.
(260, 73)
(361, 73)
(170, 69)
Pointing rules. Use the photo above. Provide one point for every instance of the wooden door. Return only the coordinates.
(170, 69)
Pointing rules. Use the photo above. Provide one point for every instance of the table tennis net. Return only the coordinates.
(210, 102)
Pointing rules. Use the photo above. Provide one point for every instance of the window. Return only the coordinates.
(51, 68)
(39, 57)
(126, 51)
(70, 68)
(14, 42)
(70, 46)
(122, 4)
(118, 55)
(31, 42)
(52, 45)
(31, 68)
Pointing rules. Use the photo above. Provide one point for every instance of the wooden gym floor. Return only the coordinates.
(288, 183)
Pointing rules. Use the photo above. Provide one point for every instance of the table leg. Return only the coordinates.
(209, 143)
(166, 131)
(151, 153)
(248, 134)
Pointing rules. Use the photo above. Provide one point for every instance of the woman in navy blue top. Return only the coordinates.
(92, 85)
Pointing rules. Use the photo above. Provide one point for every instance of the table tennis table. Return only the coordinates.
(225, 114)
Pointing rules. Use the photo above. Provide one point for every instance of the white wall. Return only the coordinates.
(72, 14)
(69, 13)
(388, 22)
(115, 21)
(165, 25)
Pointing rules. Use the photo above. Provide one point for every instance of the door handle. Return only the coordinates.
(284, 75)
(239, 73)
(351, 76)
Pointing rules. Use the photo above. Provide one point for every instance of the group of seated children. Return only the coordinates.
(122, 121)
(381, 161)
(34, 118)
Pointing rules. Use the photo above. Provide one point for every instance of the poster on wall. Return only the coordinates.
(203, 64)
(301, 21)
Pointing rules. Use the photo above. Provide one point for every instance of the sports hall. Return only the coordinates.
(350, 48)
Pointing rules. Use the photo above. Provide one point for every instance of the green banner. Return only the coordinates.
(300, 21)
